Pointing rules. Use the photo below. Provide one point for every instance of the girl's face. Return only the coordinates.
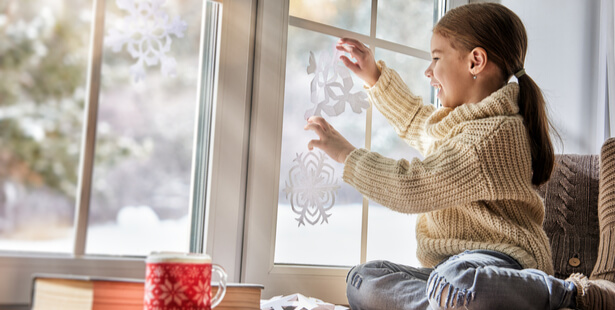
(449, 72)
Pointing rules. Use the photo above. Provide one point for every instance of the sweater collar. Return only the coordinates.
(501, 102)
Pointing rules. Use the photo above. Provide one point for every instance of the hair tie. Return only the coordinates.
(520, 73)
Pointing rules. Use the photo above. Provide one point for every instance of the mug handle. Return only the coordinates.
(221, 285)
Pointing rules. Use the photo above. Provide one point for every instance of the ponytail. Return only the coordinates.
(532, 107)
(501, 33)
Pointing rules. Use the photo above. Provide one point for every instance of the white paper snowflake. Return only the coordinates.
(331, 87)
(297, 302)
(311, 188)
(146, 31)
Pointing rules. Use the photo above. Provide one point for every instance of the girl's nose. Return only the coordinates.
(428, 72)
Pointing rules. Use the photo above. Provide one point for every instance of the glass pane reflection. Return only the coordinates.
(337, 242)
(353, 15)
(407, 22)
(43, 66)
(140, 200)
(391, 235)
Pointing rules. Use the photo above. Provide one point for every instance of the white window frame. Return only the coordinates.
(222, 233)
(250, 88)
(230, 137)
(327, 283)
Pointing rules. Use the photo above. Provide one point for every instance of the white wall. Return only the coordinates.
(562, 59)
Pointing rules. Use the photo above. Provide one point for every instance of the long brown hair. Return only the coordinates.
(501, 33)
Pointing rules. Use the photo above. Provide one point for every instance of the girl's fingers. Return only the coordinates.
(351, 65)
(314, 143)
(319, 125)
(352, 41)
(316, 128)
(353, 51)
(350, 49)
(330, 141)
(344, 48)
(320, 121)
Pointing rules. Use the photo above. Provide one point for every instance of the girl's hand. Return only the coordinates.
(365, 66)
(331, 141)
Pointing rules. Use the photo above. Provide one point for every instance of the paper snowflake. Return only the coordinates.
(331, 87)
(146, 31)
(311, 188)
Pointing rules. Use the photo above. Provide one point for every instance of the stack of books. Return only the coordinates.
(72, 292)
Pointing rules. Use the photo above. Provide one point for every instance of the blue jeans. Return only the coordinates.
(478, 279)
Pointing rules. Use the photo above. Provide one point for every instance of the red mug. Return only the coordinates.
(181, 281)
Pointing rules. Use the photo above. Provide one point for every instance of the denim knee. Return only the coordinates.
(355, 275)
(386, 285)
(453, 282)
(451, 285)
(361, 299)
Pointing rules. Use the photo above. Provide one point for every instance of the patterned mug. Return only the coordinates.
(181, 281)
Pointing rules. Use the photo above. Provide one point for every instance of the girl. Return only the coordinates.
(480, 233)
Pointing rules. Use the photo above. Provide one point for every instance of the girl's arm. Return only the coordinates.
(388, 92)
(492, 164)
(329, 140)
(404, 111)
(447, 178)
(365, 66)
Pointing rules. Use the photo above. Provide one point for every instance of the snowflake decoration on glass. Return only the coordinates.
(328, 93)
(311, 188)
(146, 31)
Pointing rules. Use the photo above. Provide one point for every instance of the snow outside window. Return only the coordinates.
(98, 141)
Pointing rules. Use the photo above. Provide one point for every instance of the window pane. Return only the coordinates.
(353, 15)
(411, 70)
(390, 235)
(337, 242)
(144, 144)
(43, 65)
(407, 22)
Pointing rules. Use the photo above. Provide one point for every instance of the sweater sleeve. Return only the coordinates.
(404, 111)
(449, 177)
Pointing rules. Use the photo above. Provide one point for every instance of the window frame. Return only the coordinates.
(244, 44)
(327, 283)
(215, 217)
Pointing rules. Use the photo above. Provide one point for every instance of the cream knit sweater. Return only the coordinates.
(474, 187)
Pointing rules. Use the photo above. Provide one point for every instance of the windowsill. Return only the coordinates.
(19, 267)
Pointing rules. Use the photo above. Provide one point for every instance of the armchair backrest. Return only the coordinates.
(571, 213)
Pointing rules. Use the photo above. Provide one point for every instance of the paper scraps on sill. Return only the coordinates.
(298, 302)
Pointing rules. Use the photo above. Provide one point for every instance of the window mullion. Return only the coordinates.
(441, 6)
(368, 137)
(369, 40)
(88, 143)
(205, 99)
(372, 35)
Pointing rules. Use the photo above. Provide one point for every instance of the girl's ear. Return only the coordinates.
(478, 60)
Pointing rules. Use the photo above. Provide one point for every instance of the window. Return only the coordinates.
(251, 70)
(104, 134)
(282, 250)
(44, 69)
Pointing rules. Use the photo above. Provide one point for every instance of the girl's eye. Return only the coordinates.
(435, 59)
